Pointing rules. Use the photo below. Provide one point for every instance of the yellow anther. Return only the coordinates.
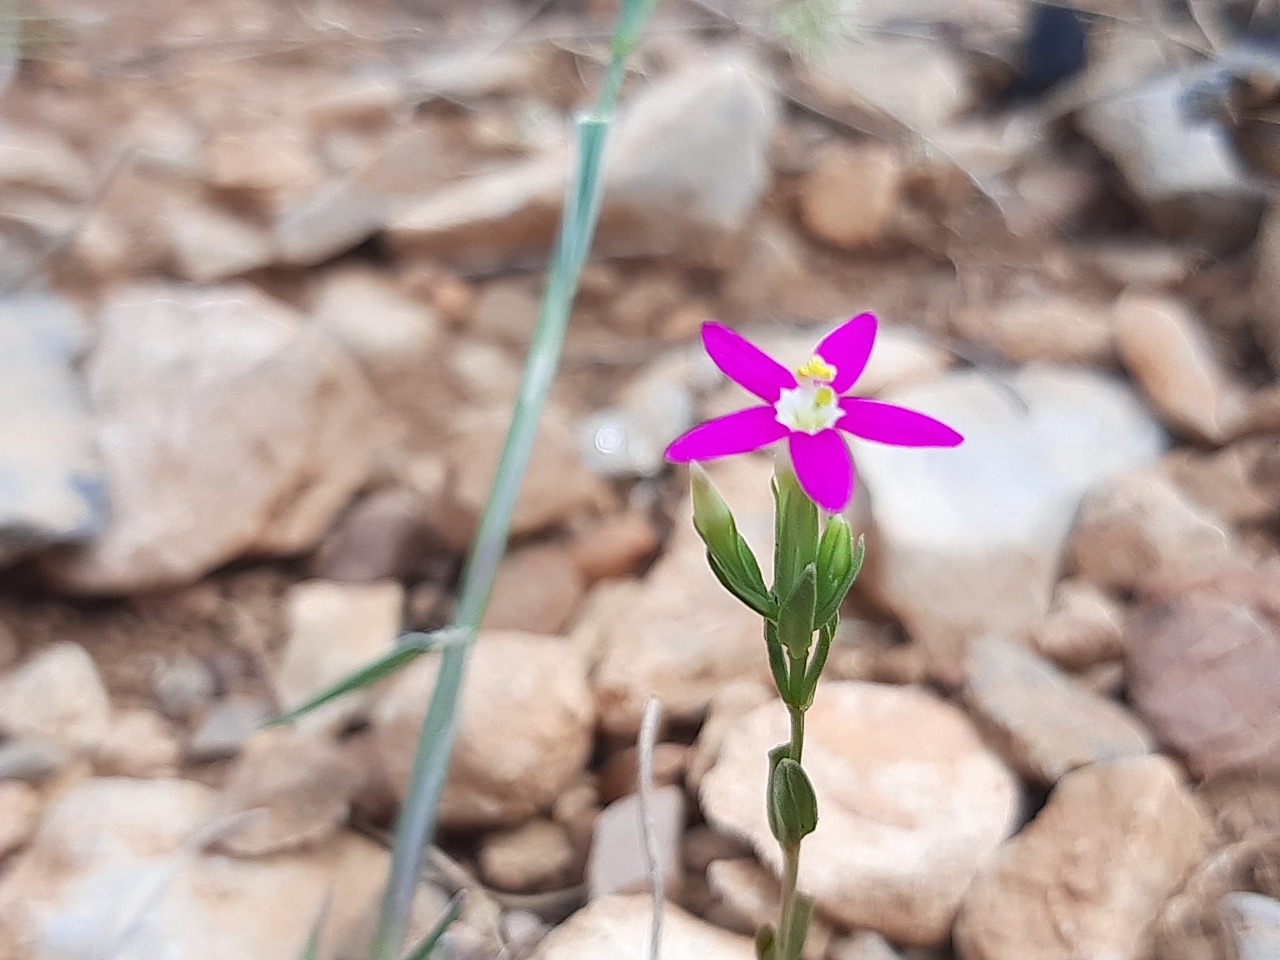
(817, 369)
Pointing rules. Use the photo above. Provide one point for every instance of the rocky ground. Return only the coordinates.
(269, 272)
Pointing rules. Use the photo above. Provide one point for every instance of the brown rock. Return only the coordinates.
(535, 856)
(227, 428)
(910, 804)
(1214, 644)
(1042, 722)
(614, 546)
(1139, 526)
(619, 775)
(137, 743)
(537, 589)
(1083, 626)
(1240, 483)
(296, 788)
(850, 194)
(1166, 352)
(1088, 875)
(19, 815)
(617, 862)
(526, 721)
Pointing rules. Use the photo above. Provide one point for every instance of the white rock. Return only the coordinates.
(910, 803)
(969, 540)
(526, 721)
(1168, 356)
(618, 928)
(115, 866)
(1088, 875)
(50, 476)
(335, 628)
(227, 428)
(58, 697)
(682, 637)
(686, 169)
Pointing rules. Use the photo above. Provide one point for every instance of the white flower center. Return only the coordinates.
(810, 407)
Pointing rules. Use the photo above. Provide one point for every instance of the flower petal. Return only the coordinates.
(746, 364)
(889, 423)
(847, 348)
(824, 468)
(734, 433)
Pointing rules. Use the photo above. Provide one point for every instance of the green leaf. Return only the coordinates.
(428, 943)
(409, 647)
(795, 615)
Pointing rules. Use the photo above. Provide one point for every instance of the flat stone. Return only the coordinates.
(1088, 875)
(618, 928)
(57, 697)
(51, 477)
(969, 541)
(910, 802)
(526, 723)
(1138, 525)
(228, 428)
(1212, 641)
(1169, 357)
(1042, 722)
(334, 629)
(617, 862)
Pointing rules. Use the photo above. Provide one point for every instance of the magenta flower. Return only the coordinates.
(808, 408)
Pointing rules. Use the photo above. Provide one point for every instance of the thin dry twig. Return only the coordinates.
(649, 722)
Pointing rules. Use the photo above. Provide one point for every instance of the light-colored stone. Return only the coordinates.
(50, 475)
(535, 856)
(1083, 627)
(526, 721)
(116, 867)
(556, 484)
(910, 804)
(1240, 483)
(228, 429)
(1212, 642)
(57, 696)
(851, 193)
(137, 743)
(373, 321)
(618, 928)
(335, 628)
(208, 244)
(681, 636)
(1042, 326)
(684, 171)
(969, 540)
(536, 589)
(1139, 525)
(295, 789)
(19, 815)
(751, 895)
(617, 862)
(1168, 356)
(1254, 922)
(1041, 721)
(1088, 875)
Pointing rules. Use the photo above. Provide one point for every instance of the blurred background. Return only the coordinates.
(268, 272)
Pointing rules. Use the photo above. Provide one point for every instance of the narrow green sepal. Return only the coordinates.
(839, 561)
(766, 941)
(795, 532)
(795, 615)
(793, 806)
